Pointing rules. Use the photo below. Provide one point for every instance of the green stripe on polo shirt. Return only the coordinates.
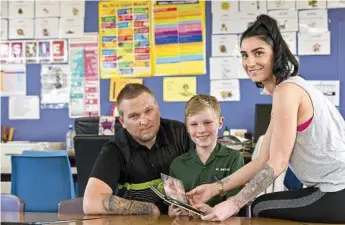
(142, 186)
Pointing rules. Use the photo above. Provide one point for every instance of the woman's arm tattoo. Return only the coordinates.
(120, 206)
(262, 180)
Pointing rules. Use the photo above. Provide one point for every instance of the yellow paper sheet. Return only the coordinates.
(178, 89)
(116, 85)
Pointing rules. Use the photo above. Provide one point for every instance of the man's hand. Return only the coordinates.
(220, 212)
(202, 193)
(155, 211)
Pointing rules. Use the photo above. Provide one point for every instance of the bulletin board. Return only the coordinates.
(125, 39)
(53, 124)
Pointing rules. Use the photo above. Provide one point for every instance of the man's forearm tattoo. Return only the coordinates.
(120, 206)
(262, 180)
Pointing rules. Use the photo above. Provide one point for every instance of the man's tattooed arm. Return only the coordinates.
(262, 180)
(120, 206)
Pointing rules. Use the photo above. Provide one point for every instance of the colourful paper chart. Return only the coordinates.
(125, 39)
(179, 38)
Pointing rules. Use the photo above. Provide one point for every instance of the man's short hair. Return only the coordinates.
(131, 91)
(200, 102)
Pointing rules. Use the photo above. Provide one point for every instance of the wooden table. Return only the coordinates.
(73, 219)
(29, 217)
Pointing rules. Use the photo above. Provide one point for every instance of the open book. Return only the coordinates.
(175, 194)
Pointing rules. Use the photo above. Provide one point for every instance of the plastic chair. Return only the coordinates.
(42, 179)
(45, 153)
(11, 203)
(51, 153)
(74, 206)
(87, 149)
(291, 182)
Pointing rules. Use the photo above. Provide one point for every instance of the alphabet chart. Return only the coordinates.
(34, 51)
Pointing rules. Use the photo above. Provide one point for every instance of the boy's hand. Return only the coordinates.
(202, 193)
(204, 208)
(219, 212)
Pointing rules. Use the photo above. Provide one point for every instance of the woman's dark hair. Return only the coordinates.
(285, 63)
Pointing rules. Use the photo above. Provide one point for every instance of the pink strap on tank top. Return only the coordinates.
(304, 125)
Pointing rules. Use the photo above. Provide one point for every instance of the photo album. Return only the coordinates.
(174, 193)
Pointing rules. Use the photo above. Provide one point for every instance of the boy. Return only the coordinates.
(209, 161)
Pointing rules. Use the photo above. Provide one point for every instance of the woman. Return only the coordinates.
(305, 131)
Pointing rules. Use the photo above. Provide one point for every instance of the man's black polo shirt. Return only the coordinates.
(145, 165)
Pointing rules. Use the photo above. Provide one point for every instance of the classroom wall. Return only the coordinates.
(53, 124)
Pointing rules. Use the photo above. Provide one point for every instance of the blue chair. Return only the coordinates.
(74, 206)
(291, 182)
(11, 203)
(45, 153)
(42, 179)
(52, 153)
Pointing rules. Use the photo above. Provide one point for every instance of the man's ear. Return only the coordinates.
(221, 122)
(157, 105)
(122, 121)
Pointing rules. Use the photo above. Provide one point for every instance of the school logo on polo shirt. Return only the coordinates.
(222, 169)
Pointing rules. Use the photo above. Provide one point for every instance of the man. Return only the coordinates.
(142, 149)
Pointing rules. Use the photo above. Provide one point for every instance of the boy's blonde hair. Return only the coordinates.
(200, 102)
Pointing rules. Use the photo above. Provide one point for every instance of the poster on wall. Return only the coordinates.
(179, 89)
(13, 80)
(225, 90)
(21, 9)
(5, 52)
(116, 85)
(223, 68)
(225, 45)
(179, 35)
(24, 108)
(46, 28)
(17, 52)
(224, 6)
(314, 43)
(125, 39)
(34, 51)
(330, 88)
(54, 91)
(84, 97)
(21, 28)
(46, 9)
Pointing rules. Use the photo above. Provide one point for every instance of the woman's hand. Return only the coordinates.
(206, 209)
(220, 212)
(202, 193)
